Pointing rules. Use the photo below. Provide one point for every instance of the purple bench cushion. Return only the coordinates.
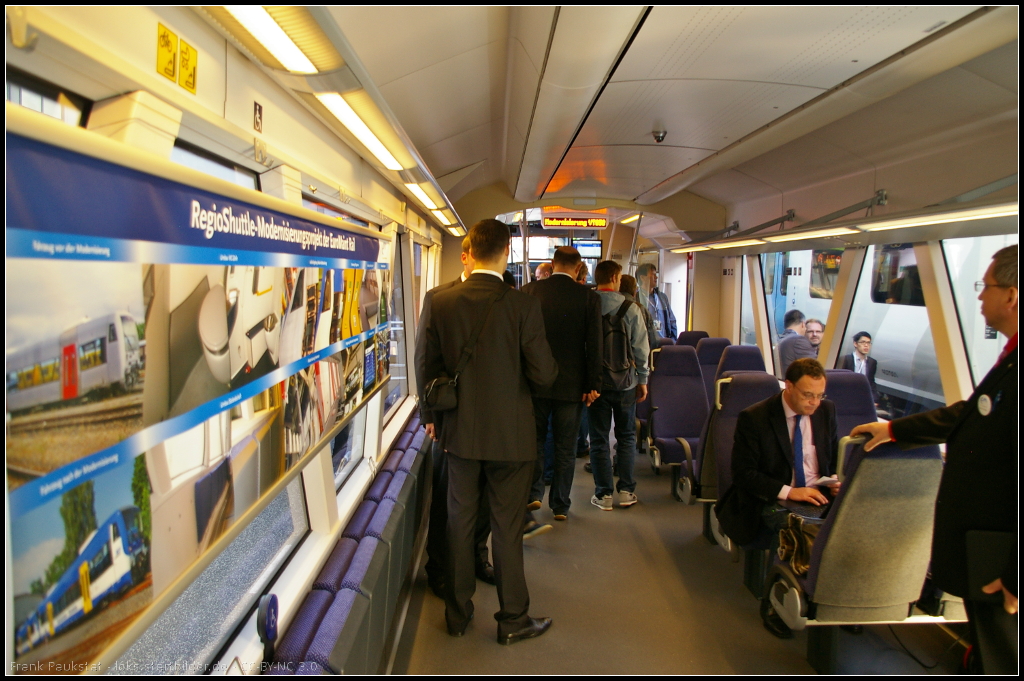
(293, 646)
(356, 527)
(337, 564)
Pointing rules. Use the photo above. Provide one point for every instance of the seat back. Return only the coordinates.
(743, 389)
(690, 338)
(662, 342)
(740, 358)
(871, 555)
(677, 392)
(709, 353)
(852, 396)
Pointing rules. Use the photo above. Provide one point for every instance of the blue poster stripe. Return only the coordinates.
(27, 243)
(38, 492)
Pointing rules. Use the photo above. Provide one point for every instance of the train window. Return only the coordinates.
(894, 276)
(398, 385)
(347, 447)
(419, 269)
(203, 161)
(824, 271)
(907, 374)
(966, 262)
(748, 332)
(209, 610)
(46, 98)
(793, 280)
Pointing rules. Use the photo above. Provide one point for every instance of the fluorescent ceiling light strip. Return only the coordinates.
(736, 244)
(344, 113)
(421, 195)
(455, 231)
(813, 234)
(982, 214)
(264, 29)
(690, 249)
(440, 216)
(630, 219)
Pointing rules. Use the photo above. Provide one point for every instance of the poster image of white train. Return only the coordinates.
(213, 329)
(81, 566)
(75, 363)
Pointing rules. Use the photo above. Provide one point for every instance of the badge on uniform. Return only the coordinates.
(984, 405)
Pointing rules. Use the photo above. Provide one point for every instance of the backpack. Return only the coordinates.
(618, 351)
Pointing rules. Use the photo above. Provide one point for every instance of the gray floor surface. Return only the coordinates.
(640, 591)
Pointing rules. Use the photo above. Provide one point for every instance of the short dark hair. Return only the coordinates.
(644, 269)
(805, 366)
(606, 271)
(488, 238)
(1004, 266)
(792, 318)
(627, 285)
(861, 334)
(466, 245)
(566, 256)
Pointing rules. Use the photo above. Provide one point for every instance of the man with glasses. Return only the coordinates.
(784, 451)
(815, 332)
(974, 546)
(859, 361)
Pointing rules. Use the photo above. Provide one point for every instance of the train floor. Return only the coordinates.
(640, 591)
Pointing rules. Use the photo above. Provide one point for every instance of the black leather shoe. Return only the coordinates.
(536, 627)
(485, 572)
(772, 622)
(458, 632)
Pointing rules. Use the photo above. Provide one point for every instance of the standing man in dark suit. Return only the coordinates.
(784, 449)
(793, 343)
(572, 319)
(859, 361)
(980, 484)
(437, 530)
(489, 438)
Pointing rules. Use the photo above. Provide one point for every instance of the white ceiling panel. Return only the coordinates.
(616, 172)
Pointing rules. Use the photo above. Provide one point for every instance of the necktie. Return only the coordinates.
(798, 454)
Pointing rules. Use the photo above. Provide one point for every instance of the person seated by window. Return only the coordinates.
(859, 361)
(815, 332)
(793, 344)
(784, 450)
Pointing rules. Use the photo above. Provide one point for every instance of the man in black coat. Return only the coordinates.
(859, 361)
(572, 319)
(980, 484)
(793, 343)
(437, 529)
(784, 450)
(489, 439)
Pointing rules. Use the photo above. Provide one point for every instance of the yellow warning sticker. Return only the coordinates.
(166, 52)
(187, 71)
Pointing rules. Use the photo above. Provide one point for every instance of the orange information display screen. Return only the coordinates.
(580, 222)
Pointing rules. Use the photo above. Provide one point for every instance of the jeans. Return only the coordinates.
(582, 445)
(565, 425)
(619, 405)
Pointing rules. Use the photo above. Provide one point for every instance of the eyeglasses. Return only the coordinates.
(980, 286)
(813, 396)
(862, 341)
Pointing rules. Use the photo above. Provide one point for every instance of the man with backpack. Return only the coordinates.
(624, 384)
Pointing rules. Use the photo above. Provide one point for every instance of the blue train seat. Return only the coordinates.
(709, 353)
(852, 396)
(690, 338)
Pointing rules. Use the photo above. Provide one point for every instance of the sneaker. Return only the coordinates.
(533, 528)
(626, 499)
(533, 505)
(603, 503)
(561, 517)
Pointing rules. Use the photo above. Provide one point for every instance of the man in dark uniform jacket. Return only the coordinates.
(489, 439)
(437, 528)
(860, 361)
(572, 319)
(784, 450)
(980, 483)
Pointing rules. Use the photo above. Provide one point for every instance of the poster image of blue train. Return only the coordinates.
(75, 362)
(81, 566)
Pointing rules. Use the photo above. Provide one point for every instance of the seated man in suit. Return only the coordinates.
(859, 361)
(793, 343)
(784, 449)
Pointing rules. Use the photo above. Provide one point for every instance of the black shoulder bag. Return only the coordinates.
(441, 392)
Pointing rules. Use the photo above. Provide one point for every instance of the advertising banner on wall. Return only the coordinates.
(171, 353)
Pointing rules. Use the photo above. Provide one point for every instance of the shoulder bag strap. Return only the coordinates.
(467, 349)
